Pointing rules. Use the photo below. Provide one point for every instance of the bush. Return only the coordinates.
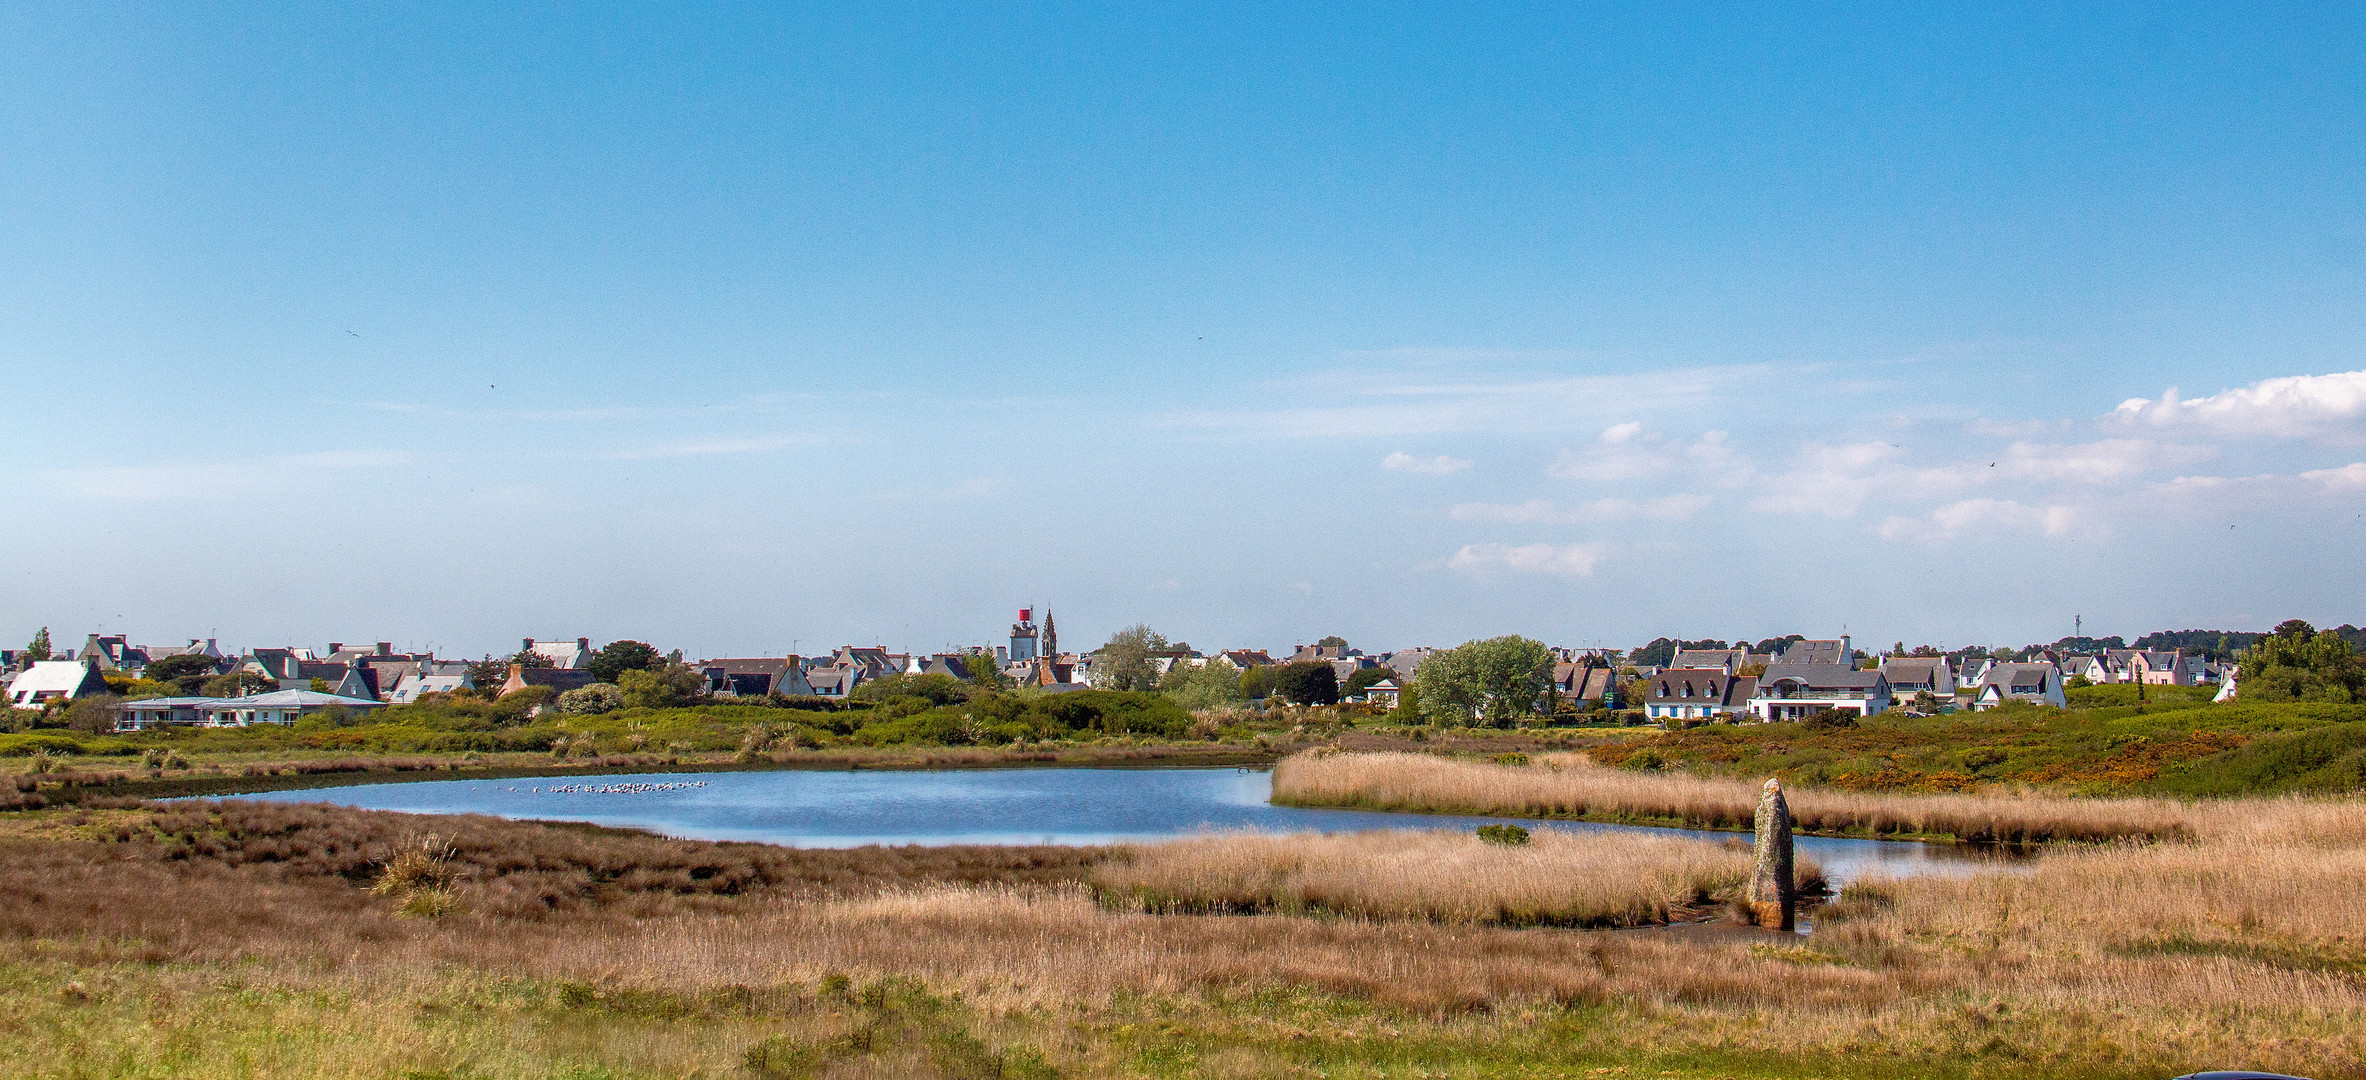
(591, 700)
(1513, 758)
(1507, 835)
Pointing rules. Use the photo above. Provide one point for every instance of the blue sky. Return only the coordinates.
(739, 330)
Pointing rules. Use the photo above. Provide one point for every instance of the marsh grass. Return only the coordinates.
(1569, 786)
(1556, 878)
(209, 951)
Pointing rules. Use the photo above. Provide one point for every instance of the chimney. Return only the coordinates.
(336, 647)
(528, 646)
(385, 648)
(583, 644)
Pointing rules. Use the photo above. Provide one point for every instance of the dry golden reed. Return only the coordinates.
(1558, 878)
(1569, 786)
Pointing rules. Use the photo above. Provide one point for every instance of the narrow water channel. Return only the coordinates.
(989, 806)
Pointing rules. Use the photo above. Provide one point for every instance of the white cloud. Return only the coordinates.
(1628, 452)
(1983, 515)
(2294, 406)
(2350, 477)
(1548, 512)
(1430, 466)
(1837, 480)
(1565, 560)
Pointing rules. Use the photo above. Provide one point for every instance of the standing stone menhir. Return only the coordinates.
(1774, 900)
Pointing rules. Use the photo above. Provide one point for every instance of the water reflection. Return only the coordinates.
(1001, 806)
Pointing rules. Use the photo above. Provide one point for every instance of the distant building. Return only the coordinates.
(55, 680)
(1732, 660)
(2034, 684)
(1790, 691)
(1023, 638)
(755, 676)
(1911, 675)
(276, 707)
(1700, 693)
(559, 680)
(432, 678)
(1824, 651)
(565, 655)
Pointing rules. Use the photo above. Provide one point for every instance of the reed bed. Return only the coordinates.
(2119, 959)
(1569, 786)
(1556, 879)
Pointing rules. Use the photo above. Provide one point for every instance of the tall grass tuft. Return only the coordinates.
(1556, 878)
(1569, 786)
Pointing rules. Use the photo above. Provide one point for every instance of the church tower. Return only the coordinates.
(1022, 637)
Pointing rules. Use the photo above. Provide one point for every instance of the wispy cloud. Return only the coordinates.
(209, 479)
(1548, 512)
(1364, 404)
(1560, 560)
(757, 444)
(1983, 516)
(1627, 451)
(1429, 466)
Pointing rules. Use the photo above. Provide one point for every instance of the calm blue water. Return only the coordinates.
(1000, 806)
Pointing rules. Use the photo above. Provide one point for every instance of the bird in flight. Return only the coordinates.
(351, 332)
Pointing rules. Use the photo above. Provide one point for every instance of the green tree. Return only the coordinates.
(985, 672)
(184, 673)
(1332, 641)
(488, 674)
(1206, 686)
(1363, 679)
(528, 658)
(2299, 663)
(95, 714)
(1499, 680)
(1130, 660)
(662, 688)
(617, 657)
(39, 648)
(1256, 683)
(238, 684)
(1313, 682)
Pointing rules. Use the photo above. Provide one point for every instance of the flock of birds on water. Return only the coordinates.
(616, 789)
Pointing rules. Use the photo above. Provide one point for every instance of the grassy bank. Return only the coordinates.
(254, 942)
(2173, 748)
(1572, 787)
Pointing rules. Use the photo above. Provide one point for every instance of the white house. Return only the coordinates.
(1699, 693)
(420, 682)
(2036, 684)
(567, 655)
(53, 680)
(1911, 675)
(1385, 693)
(276, 707)
(1798, 691)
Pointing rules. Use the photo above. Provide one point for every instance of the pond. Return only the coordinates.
(989, 806)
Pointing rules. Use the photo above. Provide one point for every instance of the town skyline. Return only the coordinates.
(706, 324)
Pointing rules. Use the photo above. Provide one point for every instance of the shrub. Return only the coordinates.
(1514, 758)
(1509, 835)
(591, 700)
